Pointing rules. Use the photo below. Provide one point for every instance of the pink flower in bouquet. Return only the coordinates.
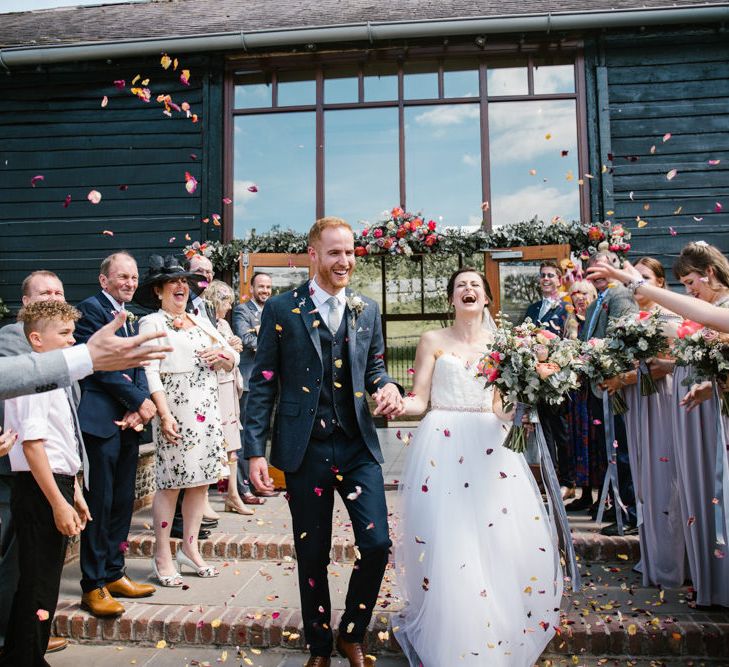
(544, 370)
(387, 244)
(595, 234)
(541, 352)
(360, 251)
(416, 223)
(430, 239)
(687, 328)
(592, 342)
(614, 247)
(643, 315)
(618, 231)
(549, 335)
(709, 335)
(402, 232)
(498, 357)
(365, 231)
(377, 233)
(431, 225)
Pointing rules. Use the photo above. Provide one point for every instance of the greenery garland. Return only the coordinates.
(583, 239)
(4, 310)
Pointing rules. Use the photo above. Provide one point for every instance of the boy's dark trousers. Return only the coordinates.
(41, 552)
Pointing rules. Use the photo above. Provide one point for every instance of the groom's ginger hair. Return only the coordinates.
(325, 223)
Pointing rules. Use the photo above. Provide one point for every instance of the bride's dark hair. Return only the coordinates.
(468, 269)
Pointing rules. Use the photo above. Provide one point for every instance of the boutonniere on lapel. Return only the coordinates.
(356, 305)
(131, 317)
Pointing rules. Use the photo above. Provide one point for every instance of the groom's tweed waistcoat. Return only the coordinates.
(336, 404)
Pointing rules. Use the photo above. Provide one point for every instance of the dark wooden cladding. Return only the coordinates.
(661, 83)
(52, 124)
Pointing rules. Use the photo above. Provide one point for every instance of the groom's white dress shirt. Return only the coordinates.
(320, 300)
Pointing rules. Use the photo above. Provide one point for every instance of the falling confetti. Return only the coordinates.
(42, 615)
(190, 183)
(671, 174)
(107, 232)
(355, 494)
(67, 201)
(666, 137)
(94, 196)
(252, 188)
(104, 101)
(36, 179)
(185, 77)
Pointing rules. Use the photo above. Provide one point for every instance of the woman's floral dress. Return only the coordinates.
(200, 458)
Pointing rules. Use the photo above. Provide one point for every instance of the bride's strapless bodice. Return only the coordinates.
(455, 386)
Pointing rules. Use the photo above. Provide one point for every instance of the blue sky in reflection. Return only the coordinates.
(529, 173)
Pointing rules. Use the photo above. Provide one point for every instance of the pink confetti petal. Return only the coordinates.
(200, 418)
(267, 374)
(671, 174)
(312, 582)
(120, 84)
(252, 188)
(275, 615)
(67, 201)
(318, 490)
(94, 196)
(663, 459)
(190, 183)
(107, 232)
(713, 163)
(227, 200)
(666, 137)
(446, 433)
(104, 101)
(718, 207)
(42, 615)
(185, 77)
(672, 231)
(124, 547)
(164, 524)
(35, 179)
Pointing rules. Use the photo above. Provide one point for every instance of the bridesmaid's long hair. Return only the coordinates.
(655, 267)
(468, 269)
(699, 257)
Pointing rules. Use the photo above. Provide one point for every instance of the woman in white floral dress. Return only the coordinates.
(188, 433)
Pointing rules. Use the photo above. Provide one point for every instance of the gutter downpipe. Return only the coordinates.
(365, 32)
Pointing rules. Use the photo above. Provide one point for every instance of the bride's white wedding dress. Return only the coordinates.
(475, 552)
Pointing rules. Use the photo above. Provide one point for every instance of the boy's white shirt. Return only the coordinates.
(46, 417)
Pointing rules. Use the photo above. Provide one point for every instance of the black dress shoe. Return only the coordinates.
(176, 532)
(582, 503)
(612, 530)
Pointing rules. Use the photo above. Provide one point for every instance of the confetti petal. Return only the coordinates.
(67, 201)
(190, 183)
(42, 615)
(35, 180)
(252, 188)
(267, 374)
(200, 418)
(666, 137)
(671, 174)
(94, 196)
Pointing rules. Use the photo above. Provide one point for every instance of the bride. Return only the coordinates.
(475, 552)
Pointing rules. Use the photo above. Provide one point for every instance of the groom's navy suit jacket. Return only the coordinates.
(289, 347)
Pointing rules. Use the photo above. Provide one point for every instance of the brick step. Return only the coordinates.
(262, 627)
(590, 547)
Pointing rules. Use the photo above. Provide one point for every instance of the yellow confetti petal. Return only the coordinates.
(161, 643)
(296, 310)
(306, 389)
(279, 327)
(358, 394)
(632, 629)
(215, 623)
(338, 363)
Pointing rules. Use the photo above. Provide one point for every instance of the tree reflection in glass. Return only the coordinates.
(274, 172)
(534, 169)
(361, 173)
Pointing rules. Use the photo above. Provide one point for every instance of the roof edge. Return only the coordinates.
(20, 56)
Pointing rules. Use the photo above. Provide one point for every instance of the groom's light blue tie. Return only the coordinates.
(333, 319)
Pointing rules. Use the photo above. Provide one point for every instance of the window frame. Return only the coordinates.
(239, 65)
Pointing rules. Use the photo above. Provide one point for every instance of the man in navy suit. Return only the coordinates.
(320, 348)
(551, 314)
(114, 408)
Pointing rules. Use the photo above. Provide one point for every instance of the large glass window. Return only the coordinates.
(357, 135)
(274, 171)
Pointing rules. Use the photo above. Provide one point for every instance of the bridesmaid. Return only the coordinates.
(704, 271)
(652, 456)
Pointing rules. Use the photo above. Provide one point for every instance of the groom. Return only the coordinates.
(320, 348)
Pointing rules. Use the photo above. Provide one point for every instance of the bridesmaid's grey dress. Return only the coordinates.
(695, 452)
(651, 450)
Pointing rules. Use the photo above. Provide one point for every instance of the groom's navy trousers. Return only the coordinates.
(311, 500)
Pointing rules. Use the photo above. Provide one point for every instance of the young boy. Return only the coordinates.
(47, 503)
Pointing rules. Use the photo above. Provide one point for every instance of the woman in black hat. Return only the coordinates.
(190, 446)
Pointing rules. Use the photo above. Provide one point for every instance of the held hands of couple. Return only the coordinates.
(137, 420)
(388, 401)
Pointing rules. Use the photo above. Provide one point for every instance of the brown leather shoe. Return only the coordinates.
(56, 644)
(354, 652)
(126, 588)
(100, 603)
(318, 661)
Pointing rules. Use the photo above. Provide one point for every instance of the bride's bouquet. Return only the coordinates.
(637, 338)
(706, 352)
(598, 362)
(528, 365)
